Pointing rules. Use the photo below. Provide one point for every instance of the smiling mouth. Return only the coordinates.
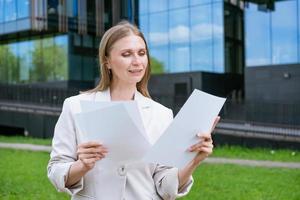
(135, 70)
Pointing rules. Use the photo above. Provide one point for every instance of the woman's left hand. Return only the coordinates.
(205, 145)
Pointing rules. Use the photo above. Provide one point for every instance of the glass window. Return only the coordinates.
(179, 58)
(218, 37)
(158, 5)
(258, 42)
(25, 49)
(178, 4)
(159, 57)
(144, 25)
(284, 33)
(198, 2)
(179, 34)
(1, 11)
(143, 6)
(201, 38)
(61, 61)
(158, 29)
(12, 62)
(10, 13)
(23, 8)
(179, 26)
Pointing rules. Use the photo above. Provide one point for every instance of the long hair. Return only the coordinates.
(110, 37)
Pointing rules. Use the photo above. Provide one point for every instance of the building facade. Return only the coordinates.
(48, 51)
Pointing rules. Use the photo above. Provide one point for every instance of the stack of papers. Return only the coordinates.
(119, 126)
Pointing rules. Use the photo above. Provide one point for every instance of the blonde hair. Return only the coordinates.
(110, 37)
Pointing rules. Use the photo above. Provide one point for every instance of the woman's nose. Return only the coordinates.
(136, 60)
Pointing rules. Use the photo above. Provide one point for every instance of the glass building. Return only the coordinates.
(52, 41)
(185, 35)
(49, 48)
(272, 33)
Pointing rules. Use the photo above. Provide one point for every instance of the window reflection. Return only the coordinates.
(10, 13)
(184, 37)
(201, 36)
(158, 29)
(258, 41)
(218, 37)
(284, 32)
(39, 60)
(272, 36)
(23, 8)
(1, 11)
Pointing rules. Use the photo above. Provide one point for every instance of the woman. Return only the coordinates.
(125, 71)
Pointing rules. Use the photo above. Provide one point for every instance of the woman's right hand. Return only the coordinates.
(90, 152)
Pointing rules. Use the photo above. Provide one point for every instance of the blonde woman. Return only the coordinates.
(125, 70)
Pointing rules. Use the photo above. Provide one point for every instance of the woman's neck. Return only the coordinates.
(122, 92)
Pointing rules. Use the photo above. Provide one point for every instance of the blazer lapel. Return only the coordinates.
(145, 107)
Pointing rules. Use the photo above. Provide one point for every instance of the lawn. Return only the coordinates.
(23, 176)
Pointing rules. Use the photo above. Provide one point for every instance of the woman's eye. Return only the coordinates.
(142, 53)
(126, 54)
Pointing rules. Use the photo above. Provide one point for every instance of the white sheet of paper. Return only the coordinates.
(196, 116)
(114, 128)
(131, 107)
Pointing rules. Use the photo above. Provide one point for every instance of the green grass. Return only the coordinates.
(220, 151)
(27, 140)
(257, 153)
(23, 176)
(219, 182)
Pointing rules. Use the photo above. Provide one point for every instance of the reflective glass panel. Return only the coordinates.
(10, 12)
(178, 4)
(158, 29)
(201, 38)
(218, 37)
(23, 8)
(1, 11)
(284, 33)
(257, 36)
(158, 5)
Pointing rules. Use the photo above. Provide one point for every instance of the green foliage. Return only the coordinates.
(49, 63)
(157, 67)
(9, 68)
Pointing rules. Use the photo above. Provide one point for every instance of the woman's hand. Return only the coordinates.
(203, 148)
(90, 152)
(205, 145)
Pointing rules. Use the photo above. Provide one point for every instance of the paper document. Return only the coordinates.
(113, 127)
(131, 107)
(196, 116)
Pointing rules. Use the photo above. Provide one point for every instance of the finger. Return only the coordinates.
(90, 144)
(89, 161)
(205, 136)
(218, 118)
(91, 150)
(88, 156)
(198, 146)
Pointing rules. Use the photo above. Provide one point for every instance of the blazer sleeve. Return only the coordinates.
(63, 155)
(166, 178)
(167, 183)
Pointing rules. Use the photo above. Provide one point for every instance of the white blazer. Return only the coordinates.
(138, 181)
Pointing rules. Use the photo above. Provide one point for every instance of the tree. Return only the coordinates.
(9, 68)
(49, 63)
(157, 67)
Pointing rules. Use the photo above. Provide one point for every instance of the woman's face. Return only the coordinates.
(128, 60)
